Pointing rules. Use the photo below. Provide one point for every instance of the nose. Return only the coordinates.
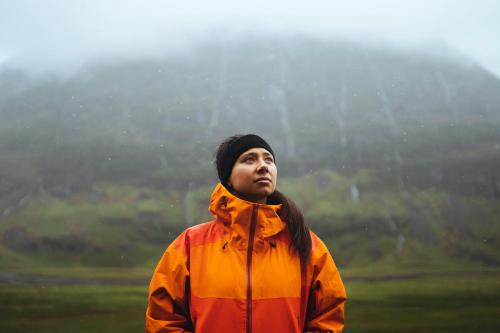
(262, 167)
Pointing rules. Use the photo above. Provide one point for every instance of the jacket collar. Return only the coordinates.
(237, 213)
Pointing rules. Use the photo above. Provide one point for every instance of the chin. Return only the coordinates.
(266, 192)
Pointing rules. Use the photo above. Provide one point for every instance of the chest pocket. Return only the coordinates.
(275, 273)
(218, 271)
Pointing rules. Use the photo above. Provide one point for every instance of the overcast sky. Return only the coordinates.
(48, 35)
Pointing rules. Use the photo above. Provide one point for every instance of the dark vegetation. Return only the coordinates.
(425, 304)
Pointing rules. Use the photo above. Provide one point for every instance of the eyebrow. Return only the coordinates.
(253, 154)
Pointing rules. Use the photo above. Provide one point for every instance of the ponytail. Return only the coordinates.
(294, 219)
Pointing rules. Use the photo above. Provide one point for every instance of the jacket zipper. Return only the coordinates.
(253, 223)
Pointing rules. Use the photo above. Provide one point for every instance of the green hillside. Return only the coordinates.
(361, 220)
(394, 157)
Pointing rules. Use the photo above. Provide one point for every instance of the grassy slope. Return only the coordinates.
(129, 226)
(124, 226)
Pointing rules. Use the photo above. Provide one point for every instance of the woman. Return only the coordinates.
(255, 268)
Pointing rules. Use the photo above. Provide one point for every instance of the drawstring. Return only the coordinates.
(272, 243)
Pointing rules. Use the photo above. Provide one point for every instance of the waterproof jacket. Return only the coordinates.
(238, 274)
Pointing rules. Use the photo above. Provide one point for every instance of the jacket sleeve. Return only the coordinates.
(325, 309)
(168, 309)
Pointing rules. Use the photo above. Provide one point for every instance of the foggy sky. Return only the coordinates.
(53, 35)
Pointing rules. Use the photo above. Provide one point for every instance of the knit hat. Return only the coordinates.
(227, 158)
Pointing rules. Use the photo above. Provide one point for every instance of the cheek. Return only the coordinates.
(240, 175)
(274, 172)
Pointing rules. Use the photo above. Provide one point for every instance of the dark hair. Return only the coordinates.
(289, 212)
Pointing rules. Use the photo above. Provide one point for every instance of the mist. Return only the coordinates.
(61, 37)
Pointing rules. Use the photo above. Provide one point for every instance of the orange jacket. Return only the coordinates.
(237, 274)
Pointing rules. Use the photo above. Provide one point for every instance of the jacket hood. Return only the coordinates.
(237, 213)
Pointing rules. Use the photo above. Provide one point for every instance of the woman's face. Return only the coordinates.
(254, 175)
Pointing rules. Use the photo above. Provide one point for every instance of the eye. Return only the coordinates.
(248, 159)
(269, 159)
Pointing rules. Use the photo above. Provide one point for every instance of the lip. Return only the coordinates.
(263, 180)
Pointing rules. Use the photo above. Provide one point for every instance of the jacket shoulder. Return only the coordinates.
(319, 248)
(196, 235)
(204, 233)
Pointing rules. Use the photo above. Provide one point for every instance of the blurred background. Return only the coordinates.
(385, 117)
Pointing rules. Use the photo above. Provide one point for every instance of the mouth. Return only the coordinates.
(263, 180)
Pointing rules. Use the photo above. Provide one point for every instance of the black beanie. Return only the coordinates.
(226, 161)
